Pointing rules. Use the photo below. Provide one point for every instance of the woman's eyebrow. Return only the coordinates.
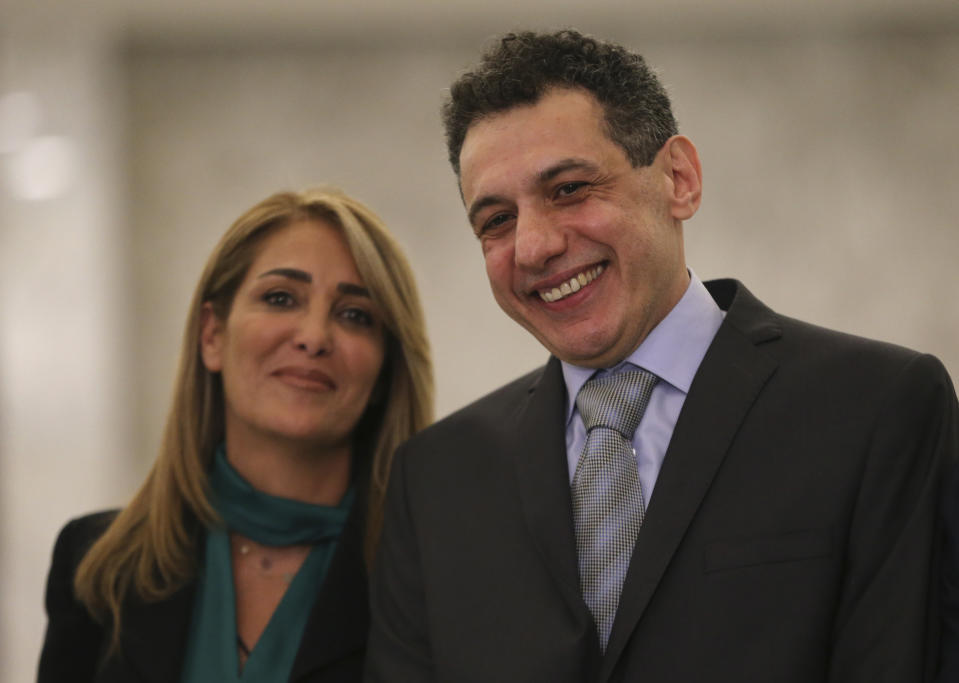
(350, 288)
(292, 273)
(303, 276)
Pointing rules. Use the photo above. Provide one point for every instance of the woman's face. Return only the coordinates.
(302, 346)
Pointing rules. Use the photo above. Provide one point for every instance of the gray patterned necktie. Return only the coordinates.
(607, 496)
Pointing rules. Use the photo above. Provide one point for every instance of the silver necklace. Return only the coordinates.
(264, 563)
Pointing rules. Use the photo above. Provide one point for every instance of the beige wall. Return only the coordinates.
(830, 160)
(828, 167)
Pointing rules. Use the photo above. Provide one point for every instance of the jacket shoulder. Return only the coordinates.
(71, 647)
(75, 539)
(499, 407)
(82, 532)
(791, 338)
(848, 355)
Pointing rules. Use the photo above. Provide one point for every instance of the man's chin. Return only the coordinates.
(585, 355)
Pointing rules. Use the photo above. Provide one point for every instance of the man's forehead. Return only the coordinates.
(572, 97)
(556, 109)
(533, 143)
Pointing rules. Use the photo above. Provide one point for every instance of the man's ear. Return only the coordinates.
(684, 171)
(211, 338)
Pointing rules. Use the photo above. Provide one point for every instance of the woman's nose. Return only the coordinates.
(314, 335)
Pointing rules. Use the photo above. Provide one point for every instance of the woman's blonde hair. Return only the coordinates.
(151, 547)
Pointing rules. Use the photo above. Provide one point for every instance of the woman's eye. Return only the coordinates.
(357, 316)
(282, 299)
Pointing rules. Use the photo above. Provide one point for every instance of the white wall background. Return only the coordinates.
(827, 135)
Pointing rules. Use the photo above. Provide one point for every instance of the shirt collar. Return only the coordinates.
(673, 349)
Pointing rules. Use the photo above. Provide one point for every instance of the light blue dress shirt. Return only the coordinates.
(672, 351)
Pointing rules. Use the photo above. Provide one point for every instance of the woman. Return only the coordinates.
(243, 556)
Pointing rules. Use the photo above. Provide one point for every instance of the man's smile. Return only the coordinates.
(571, 286)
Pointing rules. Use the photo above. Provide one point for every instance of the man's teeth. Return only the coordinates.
(574, 285)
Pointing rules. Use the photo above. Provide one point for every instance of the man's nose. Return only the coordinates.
(538, 239)
(314, 334)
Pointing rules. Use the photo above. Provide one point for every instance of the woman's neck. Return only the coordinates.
(294, 470)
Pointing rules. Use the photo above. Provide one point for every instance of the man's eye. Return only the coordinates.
(281, 299)
(569, 189)
(497, 221)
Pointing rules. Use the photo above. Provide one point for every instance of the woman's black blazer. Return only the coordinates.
(153, 635)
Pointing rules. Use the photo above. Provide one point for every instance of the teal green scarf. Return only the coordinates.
(212, 647)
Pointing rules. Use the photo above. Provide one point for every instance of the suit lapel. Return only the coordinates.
(154, 636)
(726, 385)
(543, 478)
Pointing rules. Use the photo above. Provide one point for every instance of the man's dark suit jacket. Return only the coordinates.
(949, 671)
(153, 637)
(789, 537)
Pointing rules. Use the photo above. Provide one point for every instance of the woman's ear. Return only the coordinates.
(686, 174)
(211, 338)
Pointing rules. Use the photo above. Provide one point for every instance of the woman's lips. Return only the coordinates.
(306, 378)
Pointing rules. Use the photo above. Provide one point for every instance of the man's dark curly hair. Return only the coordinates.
(522, 67)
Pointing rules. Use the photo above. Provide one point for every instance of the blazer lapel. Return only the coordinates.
(543, 479)
(154, 635)
(726, 385)
(339, 621)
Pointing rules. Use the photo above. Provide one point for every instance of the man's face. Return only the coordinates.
(582, 249)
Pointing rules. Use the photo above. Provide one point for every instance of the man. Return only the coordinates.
(949, 655)
(773, 515)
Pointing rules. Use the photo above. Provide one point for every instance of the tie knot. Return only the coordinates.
(616, 401)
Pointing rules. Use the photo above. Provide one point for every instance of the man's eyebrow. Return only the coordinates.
(570, 164)
(292, 273)
(356, 290)
(544, 176)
